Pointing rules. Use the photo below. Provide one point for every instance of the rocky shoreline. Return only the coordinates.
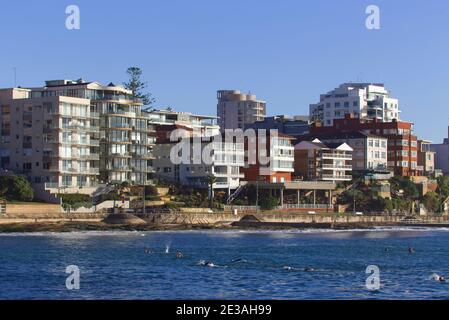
(101, 226)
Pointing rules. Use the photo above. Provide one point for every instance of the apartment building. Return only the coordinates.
(75, 134)
(202, 125)
(402, 147)
(293, 126)
(50, 139)
(317, 161)
(363, 100)
(441, 155)
(426, 158)
(269, 157)
(369, 151)
(236, 110)
(225, 158)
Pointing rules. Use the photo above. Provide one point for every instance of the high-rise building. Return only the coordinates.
(73, 135)
(236, 110)
(363, 100)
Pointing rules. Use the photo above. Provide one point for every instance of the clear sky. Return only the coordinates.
(286, 52)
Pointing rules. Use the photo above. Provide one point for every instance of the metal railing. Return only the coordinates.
(305, 206)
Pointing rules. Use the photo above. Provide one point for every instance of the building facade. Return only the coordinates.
(192, 168)
(402, 154)
(363, 100)
(316, 161)
(69, 136)
(293, 126)
(200, 124)
(369, 151)
(426, 158)
(441, 151)
(269, 157)
(235, 110)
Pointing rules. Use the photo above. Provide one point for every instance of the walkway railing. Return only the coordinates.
(305, 206)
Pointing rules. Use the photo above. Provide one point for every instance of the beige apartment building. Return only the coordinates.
(71, 136)
(236, 110)
(318, 161)
(426, 158)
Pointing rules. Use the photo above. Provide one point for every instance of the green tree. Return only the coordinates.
(16, 188)
(138, 87)
(432, 202)
(409, 189)
(443, 186)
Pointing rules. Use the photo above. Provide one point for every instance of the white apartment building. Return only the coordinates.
(69, 136)
(227, 157)
(235, 110)
(363, 100)
(369, 151)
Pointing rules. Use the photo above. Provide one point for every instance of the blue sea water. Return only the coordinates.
(248, 264)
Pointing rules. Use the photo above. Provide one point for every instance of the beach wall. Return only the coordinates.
(41, 217)
(288, 218)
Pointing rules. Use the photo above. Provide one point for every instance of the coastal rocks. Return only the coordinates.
(123, 219)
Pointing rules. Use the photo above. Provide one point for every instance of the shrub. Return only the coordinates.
(75, 201)
(269, 203)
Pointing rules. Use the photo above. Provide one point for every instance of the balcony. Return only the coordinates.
(336, 156)
(334, 166)
(336, 177)
(61, 186)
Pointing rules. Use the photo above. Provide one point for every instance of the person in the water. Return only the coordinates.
(205, 263)
(411, 250)
(147, 250)
(179, 254)
(439, 278)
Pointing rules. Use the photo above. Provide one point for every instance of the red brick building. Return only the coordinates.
(402, 143)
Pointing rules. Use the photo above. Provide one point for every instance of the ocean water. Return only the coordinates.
(247, 264)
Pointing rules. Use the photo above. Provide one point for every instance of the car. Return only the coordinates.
(359, 213)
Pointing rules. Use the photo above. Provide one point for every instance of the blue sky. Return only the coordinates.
(287, 52)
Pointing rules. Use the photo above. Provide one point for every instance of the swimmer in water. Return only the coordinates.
(439, 278)
(411, 250)
(179, 254)
(147, 250)
(205, 263)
